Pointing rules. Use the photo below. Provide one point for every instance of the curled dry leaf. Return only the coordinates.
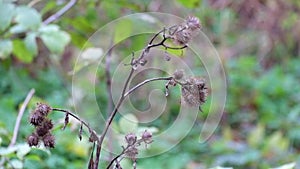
(80, 132)
(66, 121)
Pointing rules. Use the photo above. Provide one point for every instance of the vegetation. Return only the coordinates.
(258, 44)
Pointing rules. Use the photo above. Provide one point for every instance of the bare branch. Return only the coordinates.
(145, 82)
(77, 118)
(59, 13)
(20, 115)
(134, 63)
(110, 119)
(109, 93)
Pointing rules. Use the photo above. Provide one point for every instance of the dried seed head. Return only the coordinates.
(41, 131)
(182, 37)
(132, 152)
(178, 74)
(194, 92)
(147, 137)
(36, 118)
(184, 32)
(33, 140)
(48, 124)
(130, 138)
(44, 109)
(44, 128)
(193, 23)
(49, 140)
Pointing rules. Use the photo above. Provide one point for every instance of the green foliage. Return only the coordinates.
(19, 21)
(54, 38)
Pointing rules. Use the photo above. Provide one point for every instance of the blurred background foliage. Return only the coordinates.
(258, 42)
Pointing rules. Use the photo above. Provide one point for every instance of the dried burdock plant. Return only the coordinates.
(194, 93)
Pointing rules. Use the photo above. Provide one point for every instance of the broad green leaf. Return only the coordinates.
(22, 52)
(7, 150)
(23, 149)
(28, 17)
(30, 43)
(48, 28)
(128, 123)
(55, 39)
(287, 166)
(6, 48)
(6, 14)
(16, 163)
(190, 3)
(123, 30)
(17, 29)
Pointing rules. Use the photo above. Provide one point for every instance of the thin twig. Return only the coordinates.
(146, 81)
(108, 91)
(19, 118)
(77, 118)
(59, 13)
(137, 143)
(33, 2)
(111, 117)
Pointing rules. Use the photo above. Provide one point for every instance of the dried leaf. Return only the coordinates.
(167, 56)
(167, 89)
(93, 137)
(66, 121)
(80, 132)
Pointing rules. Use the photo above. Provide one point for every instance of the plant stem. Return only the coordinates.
(77, 118)
(146, 81)
(111, 117)
(59, 13)
(124, 94)
(20, 115)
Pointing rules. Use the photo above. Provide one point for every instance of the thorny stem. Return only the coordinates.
(77, 118)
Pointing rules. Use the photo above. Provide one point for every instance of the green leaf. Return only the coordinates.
(6, 151)
(6, 48)
(256, 135)
(218, 167)
(28, 18)
(21, 52)
(30, 43)
(55, 39)
(6, 14)
(123, 30)
(287, 166)
(17, 29)
(128, 123)
(23, 149)
(190, 3)
(16, 163)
